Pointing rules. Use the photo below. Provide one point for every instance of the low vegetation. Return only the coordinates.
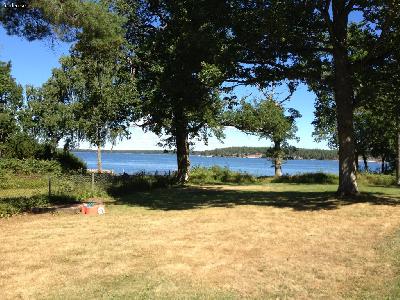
(313, 178)
(377, 179)
(119, 185)
(60, 162)
(324, 178)
(78, 187)
(216, 174)
(29, 166)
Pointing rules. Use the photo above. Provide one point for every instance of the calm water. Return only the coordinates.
(131, 163)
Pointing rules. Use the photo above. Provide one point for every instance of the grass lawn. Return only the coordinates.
(259, 241)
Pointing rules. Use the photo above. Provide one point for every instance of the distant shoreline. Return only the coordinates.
(237, 152)
(241, 152)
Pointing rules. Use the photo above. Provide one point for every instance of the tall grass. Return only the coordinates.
(119, 185)
(308, 178)
(376, 179)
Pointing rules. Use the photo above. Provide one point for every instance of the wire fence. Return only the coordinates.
(81, 186)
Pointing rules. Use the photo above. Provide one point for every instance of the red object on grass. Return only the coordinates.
(94, 210)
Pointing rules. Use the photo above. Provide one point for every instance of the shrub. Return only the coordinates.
(63, 162)
(70, 162)
(21, 146)
(138, 182)
(29, 166)
(376, 179)
(308, 178)
(216, 174)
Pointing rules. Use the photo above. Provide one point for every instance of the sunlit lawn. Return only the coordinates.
(259, 241)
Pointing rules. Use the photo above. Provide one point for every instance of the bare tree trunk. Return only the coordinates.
(343, 91)
(277, 159)
(182, 152)
(383, 164)
(99, 164)
(398, 159)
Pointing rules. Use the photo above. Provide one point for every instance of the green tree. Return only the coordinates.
(11, 101)
(62, 19)
(181, 63)
(318, 43)
(376, 113)
(267, 119)
(104, 85)
(92, 96)
(49, 114)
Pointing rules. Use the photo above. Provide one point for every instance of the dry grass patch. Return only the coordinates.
(253, 249)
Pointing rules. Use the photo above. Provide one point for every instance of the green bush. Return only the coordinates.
(70, 162)
(138, 182)
(308, 178)
(216, 174)
(20, 146)
(29, 166)
(62, 162)
(376, 179)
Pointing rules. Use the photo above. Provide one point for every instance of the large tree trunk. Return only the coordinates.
(277, 159)
(182, 152)
(99, 164)
(343, 91)
(398, 159)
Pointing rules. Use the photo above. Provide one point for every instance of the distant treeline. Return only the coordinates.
(127, 151)
(295, 153)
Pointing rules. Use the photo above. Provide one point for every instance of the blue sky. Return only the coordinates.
(32, 63)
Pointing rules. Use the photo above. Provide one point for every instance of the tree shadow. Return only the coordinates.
(37, 204)
(181, 198)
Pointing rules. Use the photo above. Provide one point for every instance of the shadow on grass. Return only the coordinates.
(181, 198)
(37, 204)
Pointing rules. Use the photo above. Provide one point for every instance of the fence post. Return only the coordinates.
(49, 186)
(92, 182)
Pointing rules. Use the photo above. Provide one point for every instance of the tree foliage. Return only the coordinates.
(181, 63)
(10, 103)
(318, 43)
(267, 120)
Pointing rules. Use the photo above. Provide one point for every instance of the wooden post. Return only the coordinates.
(49, 186)
(92, 182)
